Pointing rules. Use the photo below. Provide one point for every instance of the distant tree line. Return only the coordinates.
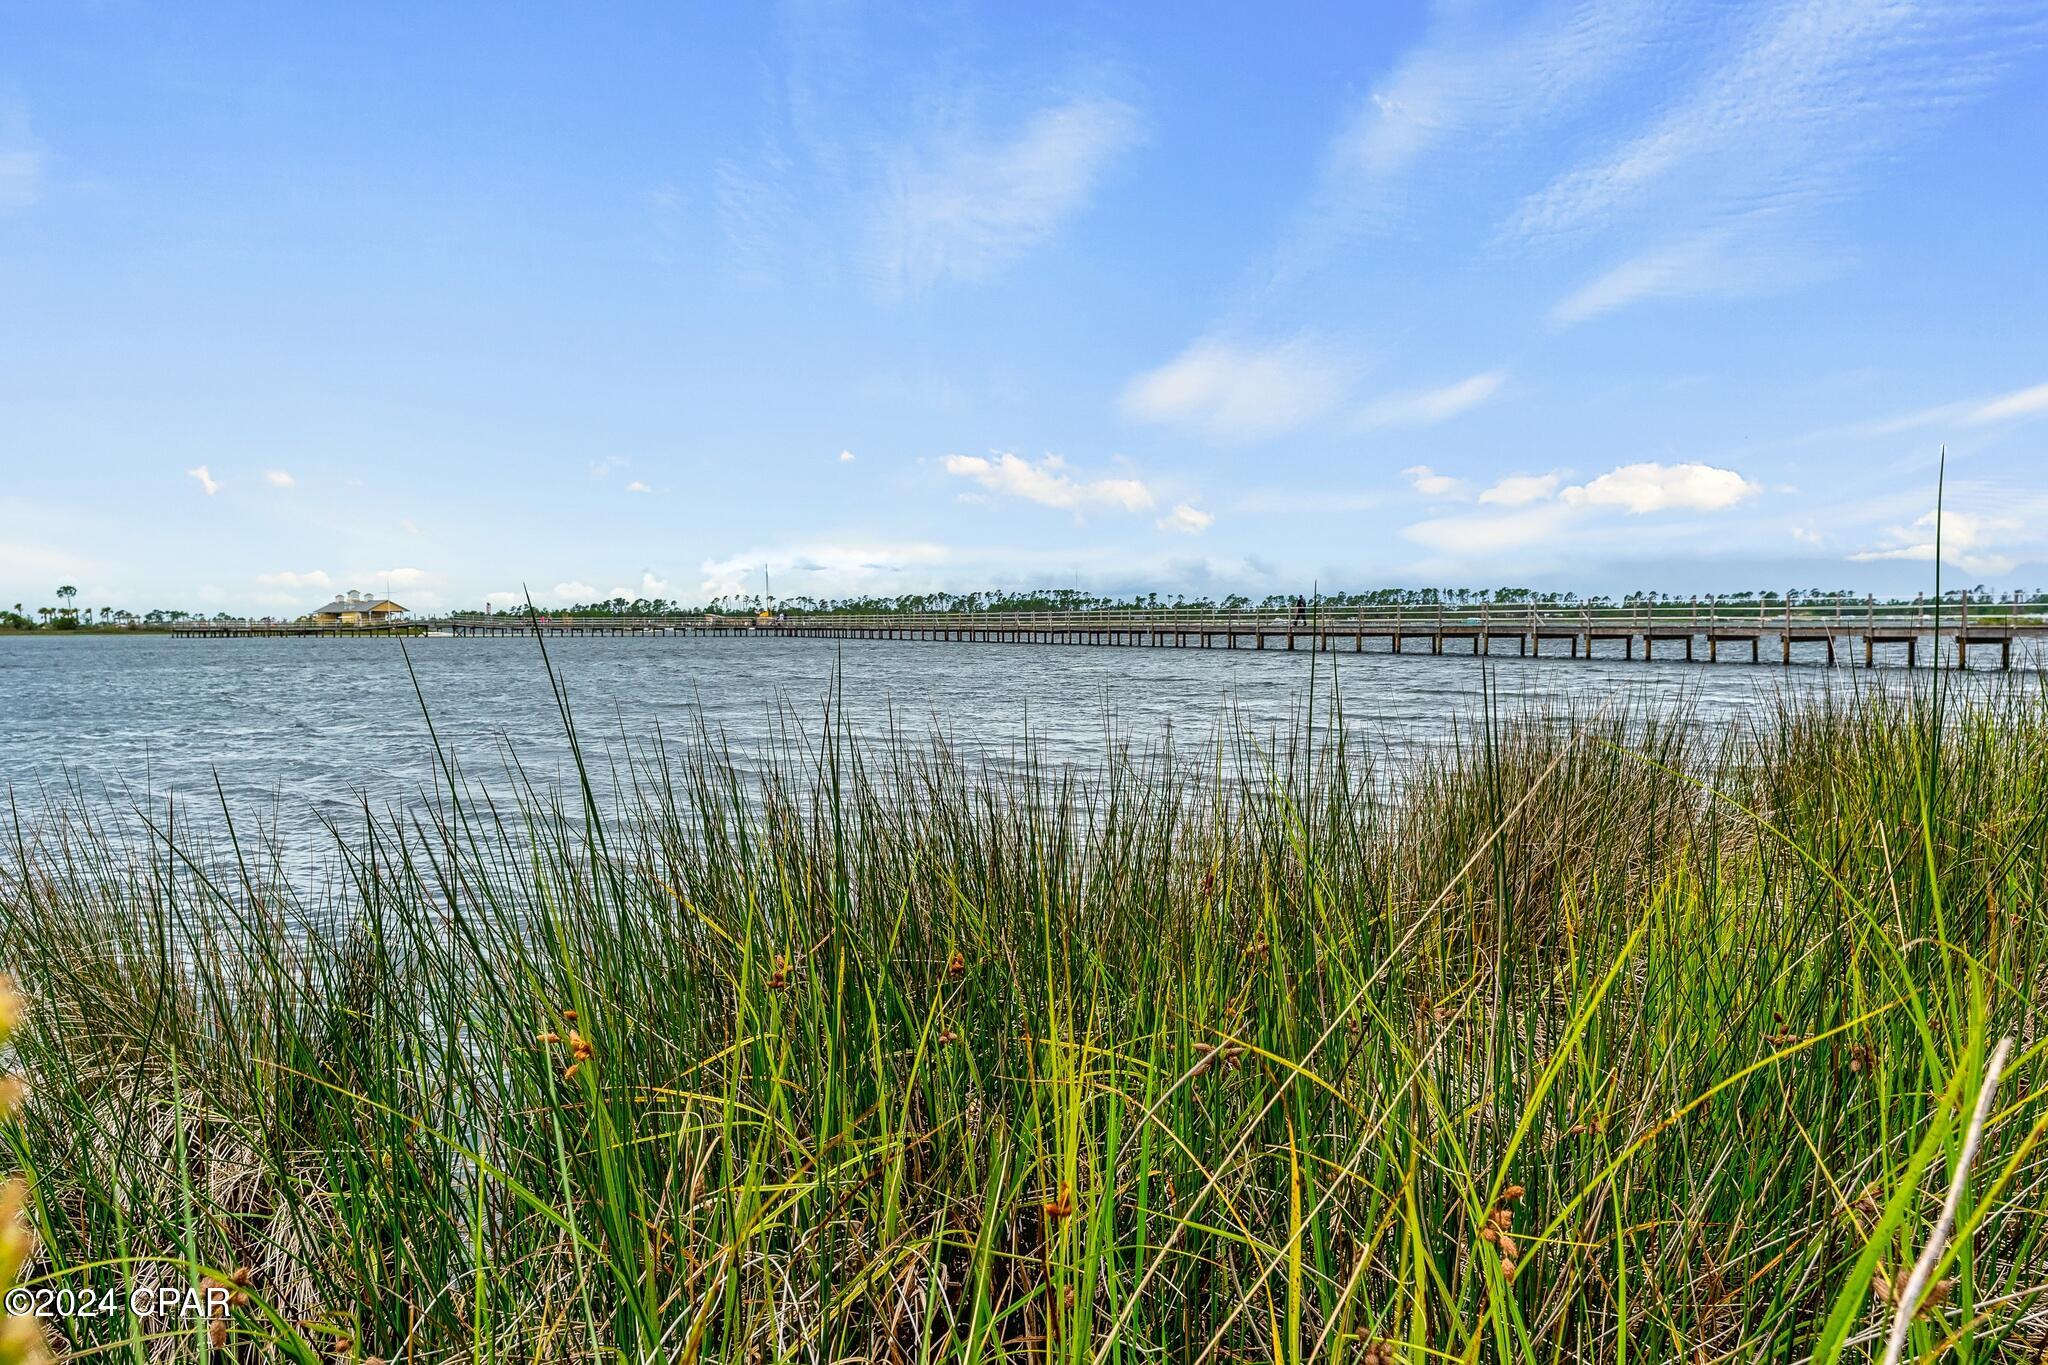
(66, 617)
(1074, 599)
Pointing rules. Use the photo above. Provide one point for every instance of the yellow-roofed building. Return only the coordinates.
(355, 609)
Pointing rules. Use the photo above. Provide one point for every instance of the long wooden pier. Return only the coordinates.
(1819, 631)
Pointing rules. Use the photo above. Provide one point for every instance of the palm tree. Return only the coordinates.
(65, 595)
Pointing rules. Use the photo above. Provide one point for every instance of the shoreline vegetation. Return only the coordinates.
(68, 619)
(1602, 1037)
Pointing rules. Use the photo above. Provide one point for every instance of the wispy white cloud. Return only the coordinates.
(21, 160)
(829, 566)
(205, 478)
(1715, 262)
(1812, 92)
(942, 179)
(1185, 520)
(758, 210)
(636, 486)
(1431, 484)
(1308, 500)
(2024, 403)
(1241, 392)
(278, 478)
(1048, 483)
(290, 578)
(846, 457)
(960, 205)
(290, 588)
(1491, 534)
(1461, 98)
(575, 591)
(1717, 193)
(1519, 490)
(1653, 487)
(1426, 407)
(2018, 405)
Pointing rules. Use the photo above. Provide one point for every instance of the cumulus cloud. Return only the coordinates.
(846, 457)
(1518, 490)
(1967, 541)
(1653, 487)
(638, 487)
(278, 478)
(1431, 484)
(1185, 520)
(1048, 483)
(206, 479)
(572, 592)
(1426, 407)
(960, 206)
(399, 578)
(1536, 513)
(1239, 392)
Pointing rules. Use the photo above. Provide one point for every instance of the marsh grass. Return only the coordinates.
(1596, 1039)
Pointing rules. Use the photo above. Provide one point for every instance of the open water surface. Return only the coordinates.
(299, 730)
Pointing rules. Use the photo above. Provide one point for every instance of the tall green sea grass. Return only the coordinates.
(1601, 1037)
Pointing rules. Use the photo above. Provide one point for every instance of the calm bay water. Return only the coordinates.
(299, 729)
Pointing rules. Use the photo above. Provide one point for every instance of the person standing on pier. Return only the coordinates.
(1300, 609)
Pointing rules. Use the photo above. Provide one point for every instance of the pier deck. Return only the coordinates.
(1822, 630)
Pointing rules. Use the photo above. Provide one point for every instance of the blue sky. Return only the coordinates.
(611, 299)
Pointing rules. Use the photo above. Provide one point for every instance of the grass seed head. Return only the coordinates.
(1375, 1351)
